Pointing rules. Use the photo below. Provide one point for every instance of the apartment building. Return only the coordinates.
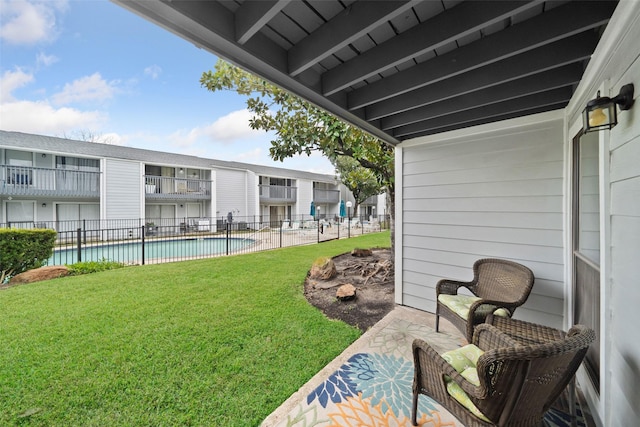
(45, 179)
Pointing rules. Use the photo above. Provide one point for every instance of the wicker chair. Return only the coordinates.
(500, 284)
(517, 383)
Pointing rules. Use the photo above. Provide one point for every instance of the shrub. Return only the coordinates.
(87, 267)
(22, 250)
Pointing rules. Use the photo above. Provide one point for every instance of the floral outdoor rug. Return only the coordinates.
(373, 387)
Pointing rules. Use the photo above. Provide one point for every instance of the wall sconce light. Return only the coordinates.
(182, 206)
(44, 205)
(601, 113)
(44, 155)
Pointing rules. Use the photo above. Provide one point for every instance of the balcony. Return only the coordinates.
(326, 196)
(38, 182)
(278, 193)
(169, 188)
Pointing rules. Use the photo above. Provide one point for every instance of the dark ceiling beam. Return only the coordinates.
(558, 23)
(251, 16)
(444, 28)
(210, 26)
(538, 100)
(555, 55)
(548, 80)
(507, 116)
(354, 22)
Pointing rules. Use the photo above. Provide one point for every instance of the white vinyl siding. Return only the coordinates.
(232, 194)
(251, 190)
(624, 186)
(499, 195)
(616, 62)
(123, 189)
(305, 196)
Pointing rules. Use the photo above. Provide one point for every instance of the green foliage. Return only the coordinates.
(361, 181)
(178, 344)
(301, 128)
(22, 250)
(87, 267)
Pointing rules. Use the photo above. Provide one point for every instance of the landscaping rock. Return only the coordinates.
(38, 274)
(361, 252)
(346, 292)
(323, 269)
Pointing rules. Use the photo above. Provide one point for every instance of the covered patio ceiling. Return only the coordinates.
(401, 69)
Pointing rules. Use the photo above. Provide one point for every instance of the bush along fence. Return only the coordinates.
(155, 241)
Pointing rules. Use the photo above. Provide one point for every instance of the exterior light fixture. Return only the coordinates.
(602, 113)
(44, 205)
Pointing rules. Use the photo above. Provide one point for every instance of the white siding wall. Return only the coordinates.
(231, 192)
(615, 63)
(305, 196)
(625, 256)
(122, 189)
(251, 191)
(495, 195)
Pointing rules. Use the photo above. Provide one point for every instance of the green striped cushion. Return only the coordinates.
(464, 361)
(460, 304)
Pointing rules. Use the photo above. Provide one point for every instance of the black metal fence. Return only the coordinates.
(151, 241)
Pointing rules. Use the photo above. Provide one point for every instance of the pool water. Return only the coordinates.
(131, 253)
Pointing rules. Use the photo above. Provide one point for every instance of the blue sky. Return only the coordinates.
(74, 68)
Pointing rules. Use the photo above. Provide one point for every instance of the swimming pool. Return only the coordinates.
(154, 250)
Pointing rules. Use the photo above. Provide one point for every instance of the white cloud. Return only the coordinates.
(253, 156)
(25, 22)
(111, 138)
(153, 71)
(41, 118)
(185, 138)
(12, 80)
(233, 126)
(46, 60)
(89, 88)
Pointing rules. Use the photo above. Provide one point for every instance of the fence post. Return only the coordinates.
(228, 234)
(281, 222)
(79, 245)
(84, 227)
(142, 230)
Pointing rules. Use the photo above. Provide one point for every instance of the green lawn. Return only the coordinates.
(217, 342)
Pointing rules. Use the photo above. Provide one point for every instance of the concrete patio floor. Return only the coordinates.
(369, 384)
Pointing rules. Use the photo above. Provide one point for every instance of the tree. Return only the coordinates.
(87, 135)
(360, 181)
(301, 127)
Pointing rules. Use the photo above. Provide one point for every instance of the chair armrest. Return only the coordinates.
(484, 307)
(487, 337)
(434, 369)
(450, 287)
(525, 333)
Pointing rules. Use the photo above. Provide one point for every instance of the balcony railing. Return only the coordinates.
(164, 187)
(30, 181)
(278, 193)
(326, 196)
